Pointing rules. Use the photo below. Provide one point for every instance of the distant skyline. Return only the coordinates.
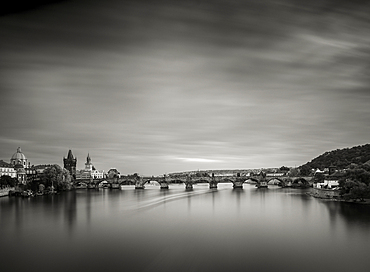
(154, 87)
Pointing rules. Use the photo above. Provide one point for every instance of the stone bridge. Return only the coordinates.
(283, 181)
(262, 180)
(189, 180)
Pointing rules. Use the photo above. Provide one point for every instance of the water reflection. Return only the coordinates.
(237, 192)
(352, 215)
(178, 230)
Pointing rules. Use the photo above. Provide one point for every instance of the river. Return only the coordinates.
(224, 229)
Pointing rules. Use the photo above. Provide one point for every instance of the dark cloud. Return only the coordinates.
(162, 86)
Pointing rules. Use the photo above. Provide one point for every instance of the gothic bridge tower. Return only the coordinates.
(70, 164)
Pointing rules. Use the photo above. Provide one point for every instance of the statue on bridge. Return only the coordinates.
(238, 182)
(262, 182)
(188, 183)
(213, 182)
(163, 182)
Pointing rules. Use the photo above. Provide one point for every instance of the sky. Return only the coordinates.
(154, 87)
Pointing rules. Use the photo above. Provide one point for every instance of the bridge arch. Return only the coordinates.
(274, 181)
(300, 182)
(80, 185)
(152, 182)
(251, 179)
(128, 181)
(104, 184)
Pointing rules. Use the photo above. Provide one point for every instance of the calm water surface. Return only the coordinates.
(226, 229)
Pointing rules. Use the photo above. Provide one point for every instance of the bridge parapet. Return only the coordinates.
(213, 180)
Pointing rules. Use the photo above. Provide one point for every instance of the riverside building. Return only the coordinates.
(7, 169)
(21, 165)
(89, 172)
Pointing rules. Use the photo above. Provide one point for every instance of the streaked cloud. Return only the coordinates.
(197, 160)
(220, 84)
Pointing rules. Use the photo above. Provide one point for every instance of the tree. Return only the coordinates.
(57, 177)
(355, 184)
(305, 170)
(319, 177)
(284, 168)
(6, 180)
(293, 172)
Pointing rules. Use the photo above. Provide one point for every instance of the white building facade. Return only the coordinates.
(7, 169)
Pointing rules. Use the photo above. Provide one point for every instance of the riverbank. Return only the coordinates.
(333, 195)
(5, 192)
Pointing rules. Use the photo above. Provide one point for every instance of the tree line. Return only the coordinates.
(340, 158)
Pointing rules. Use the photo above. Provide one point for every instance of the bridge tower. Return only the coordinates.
(70, 164)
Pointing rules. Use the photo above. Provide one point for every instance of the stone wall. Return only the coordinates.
(325, 193)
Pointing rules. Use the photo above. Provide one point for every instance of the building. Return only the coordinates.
(89, 172)
(7, 169)
(19, 158)
(276, 174)
(98, 174)
(34, 173)
(85, 173)
(21, 174)
(40, 168)
(88, 165)
(70, 164)
(21, 165)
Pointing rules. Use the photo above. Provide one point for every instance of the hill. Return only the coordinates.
(340, 158)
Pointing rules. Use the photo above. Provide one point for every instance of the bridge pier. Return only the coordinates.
(140, 184)
(188, 186)
(238, 183)
(164, 185)
(188, 183)
(115, 186)
(262, 184)
(213, 182)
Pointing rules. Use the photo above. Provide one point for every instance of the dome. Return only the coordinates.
(17, 156)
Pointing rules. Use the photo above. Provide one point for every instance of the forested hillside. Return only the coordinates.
(340, 158)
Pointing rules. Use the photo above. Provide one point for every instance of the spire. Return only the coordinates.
(70, 156)
(88, 159)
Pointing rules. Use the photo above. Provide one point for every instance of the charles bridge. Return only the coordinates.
(261, 180)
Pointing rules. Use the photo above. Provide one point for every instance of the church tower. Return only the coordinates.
(70, 164)
(88, 164)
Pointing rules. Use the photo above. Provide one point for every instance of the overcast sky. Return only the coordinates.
(156, 87)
